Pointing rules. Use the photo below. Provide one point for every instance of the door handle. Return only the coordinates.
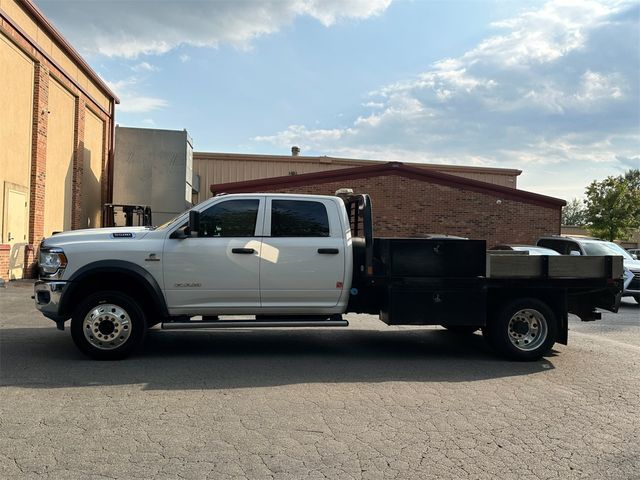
(10, 237)
(242, 250)
(328, 251)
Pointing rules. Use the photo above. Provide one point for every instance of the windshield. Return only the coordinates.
(605, 248)
(174, 219)
(169, 222)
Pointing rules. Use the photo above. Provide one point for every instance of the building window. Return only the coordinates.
(296, 218)
(233, 218)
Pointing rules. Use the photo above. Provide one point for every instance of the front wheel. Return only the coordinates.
(525, 329)
(108, 325)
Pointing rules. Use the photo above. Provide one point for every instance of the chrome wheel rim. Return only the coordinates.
(527, 329)
(107, 326)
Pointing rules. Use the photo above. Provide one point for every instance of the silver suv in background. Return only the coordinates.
(570, 245)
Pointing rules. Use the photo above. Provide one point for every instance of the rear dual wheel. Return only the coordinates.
(525, 329)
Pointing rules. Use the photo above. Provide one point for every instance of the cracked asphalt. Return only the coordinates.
(365, 402)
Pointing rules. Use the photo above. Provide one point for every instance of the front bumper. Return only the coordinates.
(48, 295)
(633, 287)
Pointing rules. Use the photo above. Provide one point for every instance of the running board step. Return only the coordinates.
(252, 324)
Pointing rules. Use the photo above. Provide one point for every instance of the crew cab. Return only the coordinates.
(304, 261)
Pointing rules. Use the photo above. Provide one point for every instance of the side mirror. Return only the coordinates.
(574, 253)
(194, 222)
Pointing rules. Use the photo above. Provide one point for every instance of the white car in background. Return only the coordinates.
(530, 249)
(635, 252)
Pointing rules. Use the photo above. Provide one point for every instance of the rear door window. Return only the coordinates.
(299, 218)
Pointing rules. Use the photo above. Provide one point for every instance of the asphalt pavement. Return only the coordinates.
(363, 402)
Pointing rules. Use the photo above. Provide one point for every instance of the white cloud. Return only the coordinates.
(131, 100)
(141, 104)
(312, 138)
(144, 67)
(555, 90)
(373, 104)
(130, 28)
(596, 86)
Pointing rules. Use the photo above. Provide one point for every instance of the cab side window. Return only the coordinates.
(297, 218)
(559, 246)
(231, 218)
(563, 247)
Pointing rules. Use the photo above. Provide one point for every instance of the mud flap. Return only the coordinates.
(584, 304)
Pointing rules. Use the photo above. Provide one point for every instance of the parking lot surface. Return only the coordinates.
(365, 402)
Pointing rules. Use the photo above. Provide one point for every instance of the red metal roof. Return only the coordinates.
(390, 168)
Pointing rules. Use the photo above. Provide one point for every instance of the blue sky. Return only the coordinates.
(550, 88)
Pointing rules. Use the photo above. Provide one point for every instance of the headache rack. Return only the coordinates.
(361, 221)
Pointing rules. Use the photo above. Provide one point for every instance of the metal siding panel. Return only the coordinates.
(150, 168)
(225, 168)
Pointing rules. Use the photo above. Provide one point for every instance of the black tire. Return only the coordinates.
(115, 330)
(461, 329)
(524, 330)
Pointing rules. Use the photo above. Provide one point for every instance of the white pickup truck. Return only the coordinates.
(303, 261)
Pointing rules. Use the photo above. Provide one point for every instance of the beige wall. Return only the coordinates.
(215, 168)
(50, 47)
(92, 170)
(60, 142)
(46, 90)
(16, 113)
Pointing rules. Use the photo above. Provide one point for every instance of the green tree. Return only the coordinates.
(573, 213)
(612, 206)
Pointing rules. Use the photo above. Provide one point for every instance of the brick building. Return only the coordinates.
(56, 135)
(411, 202)
(213, 167)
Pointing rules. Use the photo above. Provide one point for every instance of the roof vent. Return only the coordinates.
(295, 151)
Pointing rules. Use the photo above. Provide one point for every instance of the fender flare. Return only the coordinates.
(117, 266)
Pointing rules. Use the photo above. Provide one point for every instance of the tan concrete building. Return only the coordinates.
(224, 168)
(56, 135)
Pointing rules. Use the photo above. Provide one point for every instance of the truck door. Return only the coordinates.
(218, 268)
(303, 254)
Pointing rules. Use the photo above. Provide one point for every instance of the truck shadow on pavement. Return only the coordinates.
(42, 358)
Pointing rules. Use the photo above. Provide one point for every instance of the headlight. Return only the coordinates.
(627, 276)
(52, 261)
